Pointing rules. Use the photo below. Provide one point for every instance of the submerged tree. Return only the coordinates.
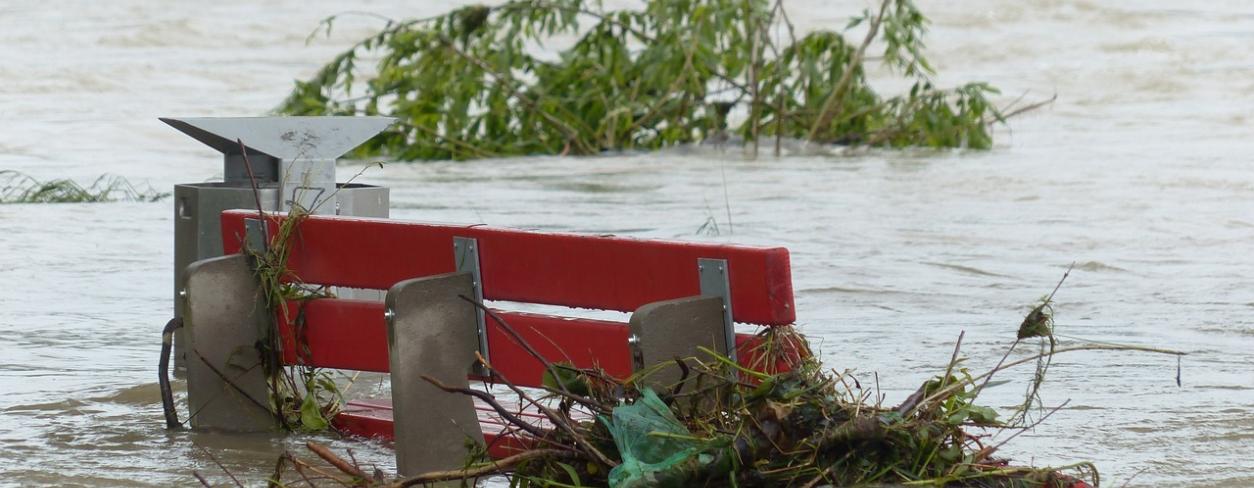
(475, 83)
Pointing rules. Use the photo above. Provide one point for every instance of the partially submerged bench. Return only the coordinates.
(681, 296)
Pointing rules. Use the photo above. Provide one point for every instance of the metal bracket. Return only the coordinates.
(256, 235)
(714, 282)
(637, 354)
(466, 258)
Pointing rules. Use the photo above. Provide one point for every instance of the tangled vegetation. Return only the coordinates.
(475, 82)
(18, 187)
(302, 397)
(724, 425)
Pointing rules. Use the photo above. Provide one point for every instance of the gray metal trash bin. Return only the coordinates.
(293, 162)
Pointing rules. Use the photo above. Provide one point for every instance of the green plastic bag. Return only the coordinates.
(647, 456)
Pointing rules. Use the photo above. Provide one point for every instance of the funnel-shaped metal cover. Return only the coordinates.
(286, 138)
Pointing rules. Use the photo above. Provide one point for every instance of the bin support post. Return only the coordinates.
(224, 315)
(431, 331)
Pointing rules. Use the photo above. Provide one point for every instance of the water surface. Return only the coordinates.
(1140, 174)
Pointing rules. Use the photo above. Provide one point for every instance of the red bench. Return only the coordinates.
(579, 271)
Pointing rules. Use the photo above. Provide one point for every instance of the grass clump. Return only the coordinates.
(472, 84)
(18, 187)
(303, 397)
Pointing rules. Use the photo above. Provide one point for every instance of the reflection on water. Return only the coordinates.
(1139, 174)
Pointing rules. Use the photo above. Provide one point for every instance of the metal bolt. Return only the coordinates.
(633, 340)
(388, 315)
(183, 293)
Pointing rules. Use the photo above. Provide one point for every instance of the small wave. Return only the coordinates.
(68, 404)
(1222, 387)
(1098, 266)
(842, 289)
(967, 269)
(145, 394)
(1150, 44)
(595, 187)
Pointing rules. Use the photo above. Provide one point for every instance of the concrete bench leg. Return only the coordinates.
(674, 329)
(224, 315)
(432, 332)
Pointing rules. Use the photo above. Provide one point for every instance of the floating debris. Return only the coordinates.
(18, 187)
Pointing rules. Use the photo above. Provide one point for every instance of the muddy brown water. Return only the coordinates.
(1140, 174)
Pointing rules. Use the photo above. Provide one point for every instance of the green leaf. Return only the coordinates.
(311, 418)
(566, 377)
(958, 417)
(570, 471)
(982, 415)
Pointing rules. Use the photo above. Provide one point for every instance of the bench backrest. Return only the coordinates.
(597, 272)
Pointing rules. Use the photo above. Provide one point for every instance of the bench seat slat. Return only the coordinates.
(607, 273)
(373, 419)
(352, 334)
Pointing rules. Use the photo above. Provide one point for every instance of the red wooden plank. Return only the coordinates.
(337, 333)
(371, 419)
(610, 273)
(584, 343)
(352, 334)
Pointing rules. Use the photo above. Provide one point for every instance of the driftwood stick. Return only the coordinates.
(220, 466)
(513, 334)
(944, 392)
(339, 463)
(231, 383)
(252, 178)
(953, 360)
(1029, 107)
(487, 469)
(518, 339)
(684, 371)
(557, 419)
(985, 452)
(275, 480)
(491, 401)
(833, 105)
(322, 474)
(1047, 301)
(296, 466)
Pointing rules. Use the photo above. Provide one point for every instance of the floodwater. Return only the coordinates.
(1140, 174)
